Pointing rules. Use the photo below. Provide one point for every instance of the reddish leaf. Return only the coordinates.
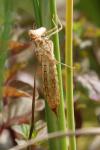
(16, 47)
(13, 92)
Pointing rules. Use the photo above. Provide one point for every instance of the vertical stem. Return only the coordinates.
(37, 12)
(50, 116)
(52, 125)
(33, 108)
(32, 117)
(61, 113)
(53, 122)
(69, 72)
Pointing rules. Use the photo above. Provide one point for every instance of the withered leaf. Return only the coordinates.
(9, 91)
(17, 47)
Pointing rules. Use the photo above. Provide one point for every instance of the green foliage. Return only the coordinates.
(91, 8)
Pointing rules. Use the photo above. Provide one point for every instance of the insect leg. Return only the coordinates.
(55, 29)
(65, 65)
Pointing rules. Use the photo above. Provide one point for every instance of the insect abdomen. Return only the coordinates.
(50, 83)
(46, 58)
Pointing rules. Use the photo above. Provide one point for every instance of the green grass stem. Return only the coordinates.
(54, 123)
(50, 116)
(61, 113)
(37, 13)
(69, 72)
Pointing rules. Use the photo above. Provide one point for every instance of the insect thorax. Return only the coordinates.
(44, 47)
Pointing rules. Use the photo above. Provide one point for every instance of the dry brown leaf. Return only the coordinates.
(9, 91)
(16, 47)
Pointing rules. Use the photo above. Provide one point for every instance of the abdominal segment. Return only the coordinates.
(50, 83)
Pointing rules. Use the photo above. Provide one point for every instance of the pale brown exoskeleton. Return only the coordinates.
(43, 49)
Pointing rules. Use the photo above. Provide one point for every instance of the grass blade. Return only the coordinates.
(69, 72)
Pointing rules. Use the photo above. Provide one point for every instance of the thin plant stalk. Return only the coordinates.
(69, 72)
(60, 119)
(37, 13)
(53, 122)
(50, 116)
(61, 113)
(5, 36)
(52, 126)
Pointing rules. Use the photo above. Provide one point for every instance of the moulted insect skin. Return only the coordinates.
(43, 49)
